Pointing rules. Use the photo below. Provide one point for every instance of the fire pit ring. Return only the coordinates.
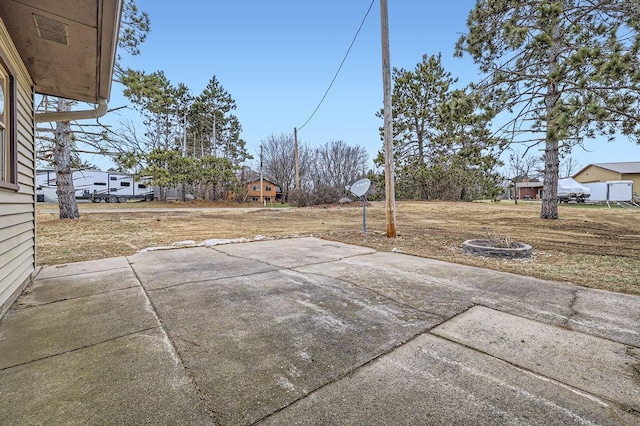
(488, 248)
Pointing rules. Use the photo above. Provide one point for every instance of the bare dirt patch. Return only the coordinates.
(594, 247)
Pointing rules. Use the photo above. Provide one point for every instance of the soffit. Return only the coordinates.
(68, 46)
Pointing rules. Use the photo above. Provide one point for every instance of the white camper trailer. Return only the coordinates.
(96, 185)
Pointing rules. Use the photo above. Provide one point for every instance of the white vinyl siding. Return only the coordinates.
(17, 208)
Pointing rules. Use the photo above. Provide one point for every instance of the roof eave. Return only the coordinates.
(79, 63)
(111, 20)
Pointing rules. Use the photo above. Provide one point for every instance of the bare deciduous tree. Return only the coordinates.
(337, 164)
(568, 166)
(522, 165)
(279, 162)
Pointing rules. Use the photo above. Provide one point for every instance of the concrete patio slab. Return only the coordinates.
(590, 364)
(306, 331)
(131, 380)
(255, 344)
(612, 315)
(57, 289)
(431, 381)
(47, 330)
(294, 252)
(88, 267)
(165, 268)
(446, 289)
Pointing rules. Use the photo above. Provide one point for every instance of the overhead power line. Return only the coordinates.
(340, 67)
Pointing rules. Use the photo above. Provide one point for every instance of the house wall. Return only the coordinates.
(17, 208)
(269, 190)
(531, 192)
(635, 178)
(596, 174)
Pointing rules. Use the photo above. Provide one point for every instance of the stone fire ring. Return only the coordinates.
(486, 248)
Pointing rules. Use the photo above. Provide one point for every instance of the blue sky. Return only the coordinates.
(276, 58)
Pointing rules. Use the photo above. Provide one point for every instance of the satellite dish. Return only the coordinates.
(360, 187)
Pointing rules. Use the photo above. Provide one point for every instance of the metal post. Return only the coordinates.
(388, 125)
(364, 214)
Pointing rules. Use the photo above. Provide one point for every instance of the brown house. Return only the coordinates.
(61, 48)
(270, 191)
(603, 172)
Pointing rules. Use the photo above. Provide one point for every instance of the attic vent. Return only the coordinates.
(52, 30)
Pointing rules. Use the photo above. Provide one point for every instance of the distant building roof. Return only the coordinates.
(623, 167)
(252, 181)
(529, 184)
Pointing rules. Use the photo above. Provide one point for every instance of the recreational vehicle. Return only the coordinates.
(96, 185)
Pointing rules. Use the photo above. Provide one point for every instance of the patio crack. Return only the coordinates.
(291, 268)
(69, 351)
(250, 274)
(27, 305)
(350, 372)
(381, 294)
(203, 396)
(346, 374)
(572, 309)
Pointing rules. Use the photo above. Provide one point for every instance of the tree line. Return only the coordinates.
(552, 74)
(324, 171)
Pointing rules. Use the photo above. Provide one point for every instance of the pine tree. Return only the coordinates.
(563, 71)
(442, 143)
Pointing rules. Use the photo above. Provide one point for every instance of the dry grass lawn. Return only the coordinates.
(591, 246)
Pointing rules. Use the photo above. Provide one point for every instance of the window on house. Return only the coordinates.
(268, 188)
(254, 199)
(8, 145)
(267, 199)
(256, 187)
(125, 183)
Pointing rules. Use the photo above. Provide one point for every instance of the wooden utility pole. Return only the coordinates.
(184, 137)
(261, 185)
(296, 158)
(390, 191)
